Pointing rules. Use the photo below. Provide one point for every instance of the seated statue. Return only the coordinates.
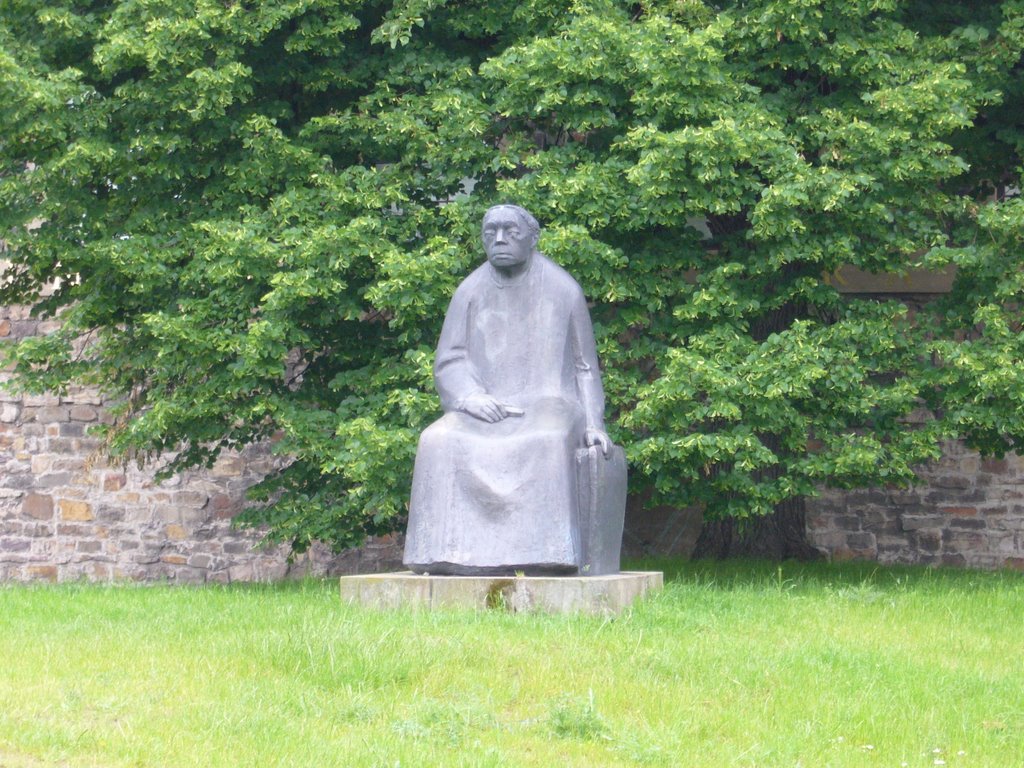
(511, 478)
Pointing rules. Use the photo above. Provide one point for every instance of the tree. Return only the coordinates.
(253, 215)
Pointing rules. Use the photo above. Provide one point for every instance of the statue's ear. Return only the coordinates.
(536, 239)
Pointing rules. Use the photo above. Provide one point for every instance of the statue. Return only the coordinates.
(519, 475)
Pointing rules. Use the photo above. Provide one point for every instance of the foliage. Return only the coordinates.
(251, 216)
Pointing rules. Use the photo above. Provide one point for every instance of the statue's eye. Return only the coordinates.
(491, 231)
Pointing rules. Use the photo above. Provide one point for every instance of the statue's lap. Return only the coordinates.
(497, 496)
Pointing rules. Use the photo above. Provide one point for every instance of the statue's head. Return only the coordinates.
(510, 236)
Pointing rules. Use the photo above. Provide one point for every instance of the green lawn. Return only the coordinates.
(732, 665)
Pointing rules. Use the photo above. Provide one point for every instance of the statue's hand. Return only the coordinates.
(484, 407)
(598, 437)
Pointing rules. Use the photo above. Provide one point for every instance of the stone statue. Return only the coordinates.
(519, 475)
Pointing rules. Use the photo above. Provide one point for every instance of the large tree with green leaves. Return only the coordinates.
(254, 213)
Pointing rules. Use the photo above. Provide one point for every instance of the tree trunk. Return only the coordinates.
(781, 535)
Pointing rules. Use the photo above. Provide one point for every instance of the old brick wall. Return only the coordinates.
(963, 511)
(66, 513)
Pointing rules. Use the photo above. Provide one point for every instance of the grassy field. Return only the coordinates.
(744, 664)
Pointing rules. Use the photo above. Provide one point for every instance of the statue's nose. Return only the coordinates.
(499, 235)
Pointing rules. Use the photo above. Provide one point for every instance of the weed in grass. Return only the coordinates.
(571, 718)
(357, 711)
(437, 721)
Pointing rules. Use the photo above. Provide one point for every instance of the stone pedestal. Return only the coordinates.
(605, 595)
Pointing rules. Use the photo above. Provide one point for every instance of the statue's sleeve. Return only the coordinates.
(588, 373)
(454, 374)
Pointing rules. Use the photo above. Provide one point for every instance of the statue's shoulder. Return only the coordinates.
(558, 278)
(471, 284)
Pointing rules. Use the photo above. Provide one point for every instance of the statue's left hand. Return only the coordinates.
(598, 437)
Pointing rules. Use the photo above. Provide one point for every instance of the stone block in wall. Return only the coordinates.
(41, 572)
(1012, 522)
(147, 554)
(942, 497)
(846, 522)
(894, 552)
(49, 414)
(238, 548)
(966, 523)
(201, 562)
(228, 466)
(189, 499)
(223, 506)
(201, 535)
(968, 465)
(73, 429)
(17, 477)
(50, 480)
(73, 531)
(40, 401)
(114, 481)
(1003, 543)
(84, 413)
(904, 498)
(831, 540)
(77, 464)
(30, 430)
(862, 541)
(951, 481)
(992, 466)
(72, 510)
(38, 506)
(109, 513)
(880, 520)
(925, 542)
(166, 513)
(959, 512)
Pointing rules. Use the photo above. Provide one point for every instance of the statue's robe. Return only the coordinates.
(501, 497)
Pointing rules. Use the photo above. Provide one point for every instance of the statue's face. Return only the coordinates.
(508, 242)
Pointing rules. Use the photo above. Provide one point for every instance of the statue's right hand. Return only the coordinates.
(484, 407)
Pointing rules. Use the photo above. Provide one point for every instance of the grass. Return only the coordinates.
(735, 664)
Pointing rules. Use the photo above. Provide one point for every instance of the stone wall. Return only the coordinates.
(66, 513)
(964, 511)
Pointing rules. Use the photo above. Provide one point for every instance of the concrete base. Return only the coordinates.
(607, 595)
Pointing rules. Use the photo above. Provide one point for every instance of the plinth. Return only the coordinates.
(606, 595)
